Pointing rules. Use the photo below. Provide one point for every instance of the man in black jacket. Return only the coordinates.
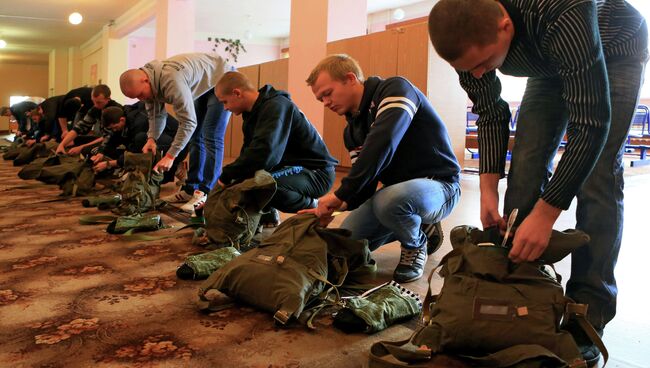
(278, 138)
(19, 112)
(128, 127)
(87, 133)
(394, 137)
(74, 107)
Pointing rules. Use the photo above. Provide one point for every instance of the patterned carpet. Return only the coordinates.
(75, 296)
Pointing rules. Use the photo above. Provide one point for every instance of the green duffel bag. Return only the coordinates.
(200, 266)
(492, 312)
(33, 169)
(140, 186)
(135, 223)
(29, 154)
(300, 264)
(232, 214)
(102, 202)
(14, 149)
(73, 175)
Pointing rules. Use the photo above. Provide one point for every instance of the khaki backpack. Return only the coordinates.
(139, 186)
(232, 213)
(293, 271)
(495, 313)
(73, 175)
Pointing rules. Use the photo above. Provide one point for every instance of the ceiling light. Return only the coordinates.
(75, 18)
(398, 14)
(3, 44)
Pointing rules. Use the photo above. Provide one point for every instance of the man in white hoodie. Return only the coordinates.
(185, 81)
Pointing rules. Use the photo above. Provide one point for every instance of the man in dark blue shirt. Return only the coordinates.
(395, 137)
(585, 62)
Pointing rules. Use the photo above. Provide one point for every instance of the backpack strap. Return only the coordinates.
(430, 297)
(578, 312)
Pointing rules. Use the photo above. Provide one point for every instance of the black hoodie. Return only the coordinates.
(276, 134)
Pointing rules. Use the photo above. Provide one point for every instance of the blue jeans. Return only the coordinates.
(395, 212)
(207, 143)
(543, 118)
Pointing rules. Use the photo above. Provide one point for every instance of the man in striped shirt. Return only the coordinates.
(585, 61)
(394, 137)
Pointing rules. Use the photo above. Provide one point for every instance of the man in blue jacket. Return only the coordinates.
(278, 138)
(394, 137)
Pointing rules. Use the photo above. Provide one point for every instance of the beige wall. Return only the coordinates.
(22, 80)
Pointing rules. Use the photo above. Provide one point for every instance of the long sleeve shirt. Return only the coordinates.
(569, 40)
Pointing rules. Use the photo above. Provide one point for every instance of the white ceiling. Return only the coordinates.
(33, 27)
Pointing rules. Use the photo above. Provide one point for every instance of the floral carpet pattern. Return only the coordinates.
(75, 296)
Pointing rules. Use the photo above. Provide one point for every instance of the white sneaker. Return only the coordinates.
(178, 197)
(197, 200)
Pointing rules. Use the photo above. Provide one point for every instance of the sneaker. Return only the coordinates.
(270, 219)
(434, 236)
(197, 200)
(411, 264)
(589, 350)
(178, 197)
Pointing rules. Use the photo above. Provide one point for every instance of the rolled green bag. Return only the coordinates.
(381, 308)
(103, 202)
(136, 223)
(200, 266)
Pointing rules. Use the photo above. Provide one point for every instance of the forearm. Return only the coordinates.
(63, 123)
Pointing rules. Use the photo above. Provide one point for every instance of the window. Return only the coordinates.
(16, 99)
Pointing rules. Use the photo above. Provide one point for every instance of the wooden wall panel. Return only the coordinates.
(234, 135)
(275, 73)
(413, 54)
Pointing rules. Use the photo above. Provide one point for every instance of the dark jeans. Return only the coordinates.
(298, 191)
(541, 125)
(206, 146)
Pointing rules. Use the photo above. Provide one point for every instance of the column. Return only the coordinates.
(174, 27)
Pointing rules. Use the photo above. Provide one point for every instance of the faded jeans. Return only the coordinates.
(542, 122)
(395, 212)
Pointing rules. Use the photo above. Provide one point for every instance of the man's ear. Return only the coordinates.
(351, 77)
(237, 92)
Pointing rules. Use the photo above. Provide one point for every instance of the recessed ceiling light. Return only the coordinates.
(75, 18)
(3, 44)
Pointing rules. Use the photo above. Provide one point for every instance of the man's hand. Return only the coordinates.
(100, 166)
(164, 164)
(44, 138)
(150, 146)
(531, 237)
(30, 142)
(490, 215)
(75, 151)
(19, 133)
(97, 158)
(63, 133)
(326, 207)
(60, 149)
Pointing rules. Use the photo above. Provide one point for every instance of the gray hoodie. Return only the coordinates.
(178, 81)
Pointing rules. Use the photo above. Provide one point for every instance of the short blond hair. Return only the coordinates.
(337, 66)
(231, 80)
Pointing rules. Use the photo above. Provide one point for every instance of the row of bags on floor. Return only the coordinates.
(490, 311)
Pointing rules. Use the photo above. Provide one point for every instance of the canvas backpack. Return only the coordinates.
(28, 154)
(14, 149)
(493, 312)
(232, 213)
(139, 186)
(293, 272)
(73, 175)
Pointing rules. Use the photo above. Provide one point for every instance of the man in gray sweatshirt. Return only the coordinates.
(185, 81)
